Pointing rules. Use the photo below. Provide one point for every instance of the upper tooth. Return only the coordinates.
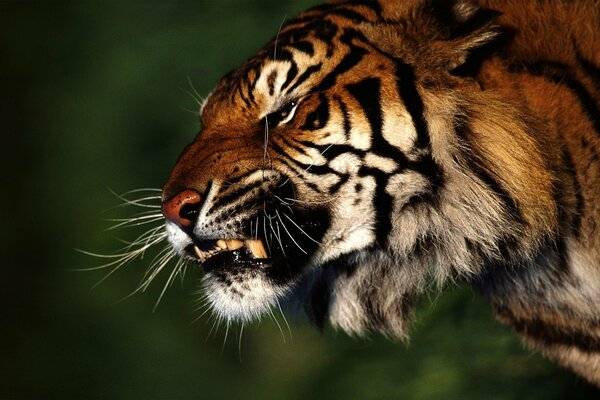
(222, 244)
(234, 244)
(256, 247)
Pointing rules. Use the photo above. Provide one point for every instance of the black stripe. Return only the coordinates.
(295, 146)
(330, 152)
(335, 187)
(291, 74)
(549, 334)
(349, 61)
(405, 81)
(347, 125)
(373, 5)
(242, 95)
(303, 46)
(478, 167)
(278, 54)
(367, 93)
(318, 118)
(350, 14)
(593, 71)
(382, 203)
(271, 82)
(580, 204)
(300, 166)
(234, 195)
(304, 76)
(559, 73)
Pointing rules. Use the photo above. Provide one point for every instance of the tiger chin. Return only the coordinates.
(374, 147)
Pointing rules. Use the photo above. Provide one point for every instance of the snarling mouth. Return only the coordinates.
(213, 254)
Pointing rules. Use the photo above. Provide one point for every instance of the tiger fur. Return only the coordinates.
(377, 146)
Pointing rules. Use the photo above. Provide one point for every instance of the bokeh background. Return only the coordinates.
(95, 97)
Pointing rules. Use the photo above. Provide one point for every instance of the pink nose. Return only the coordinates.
(182, 208)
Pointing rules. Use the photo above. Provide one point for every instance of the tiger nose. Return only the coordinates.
(182, 208)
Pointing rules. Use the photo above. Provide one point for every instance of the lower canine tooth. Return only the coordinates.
(256, 247)
(201, 255)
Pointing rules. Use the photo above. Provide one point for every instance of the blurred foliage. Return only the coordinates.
(95, 96)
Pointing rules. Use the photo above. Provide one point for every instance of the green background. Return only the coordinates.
(94, 97)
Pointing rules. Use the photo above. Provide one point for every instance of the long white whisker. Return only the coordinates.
(121, 262)
(286, 322)
(225, 338)
(277, 38)
(277, 322)
(158, 258)
(240, 342)
(156, 269)
(199, 99)
(215, 327)
(301, 230)
(167, 283)
(289, 234)
(141, 190)
(135, 222)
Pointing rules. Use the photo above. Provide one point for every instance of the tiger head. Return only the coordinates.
(330, 167)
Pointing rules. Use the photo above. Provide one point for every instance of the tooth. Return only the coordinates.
(256, 247)
(222, 244)
(201, 255)
(234, 244)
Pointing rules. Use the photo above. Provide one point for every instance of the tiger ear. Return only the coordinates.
(457, 30)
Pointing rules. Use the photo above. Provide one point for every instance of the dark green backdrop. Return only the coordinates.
(93, 97)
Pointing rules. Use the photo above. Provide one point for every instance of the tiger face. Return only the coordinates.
(306, 153)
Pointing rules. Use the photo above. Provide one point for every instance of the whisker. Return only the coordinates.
(298, 174)
(240, 342)
(119, 263)
(137, 202)
(289, 234)
(216, 323)
(198, 98)
(277, 322)
(122, 257)
(141, 190)
(277, 37)
(225, 338)
(135, 222)
(286, 322)
(301, 230)
(167, 283)
(155, 261)
(156, 269)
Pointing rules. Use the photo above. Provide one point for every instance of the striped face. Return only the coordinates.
(306, 153)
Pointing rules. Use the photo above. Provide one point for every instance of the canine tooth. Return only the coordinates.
(234, 244)
(222, 244)
(256, 247)
(201, 255)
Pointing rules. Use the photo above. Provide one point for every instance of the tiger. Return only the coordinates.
(374, 149)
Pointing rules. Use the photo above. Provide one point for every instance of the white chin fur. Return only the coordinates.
(242, 297)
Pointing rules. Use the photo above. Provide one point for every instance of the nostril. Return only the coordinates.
(189, 211)
(182, 208)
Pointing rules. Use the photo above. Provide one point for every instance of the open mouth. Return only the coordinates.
(213, 254)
